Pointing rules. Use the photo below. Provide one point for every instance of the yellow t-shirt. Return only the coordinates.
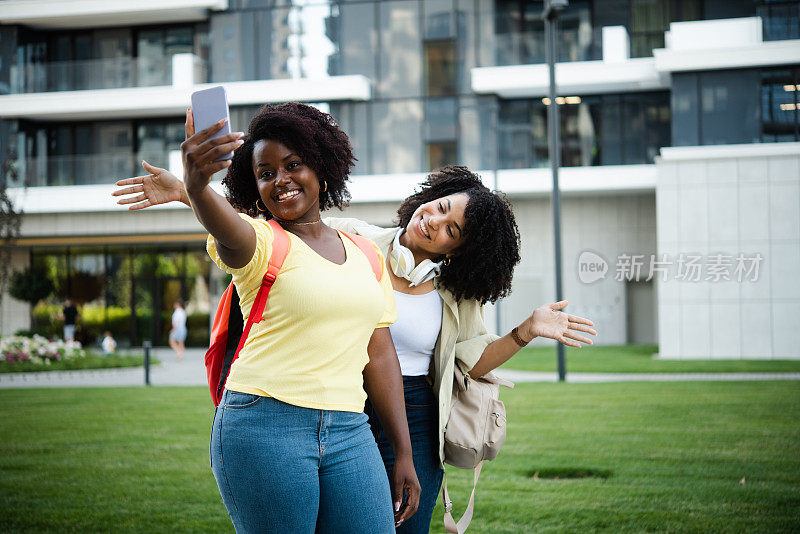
(311, 347)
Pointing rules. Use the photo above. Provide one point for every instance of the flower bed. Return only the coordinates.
(19, 354)
(38, 350)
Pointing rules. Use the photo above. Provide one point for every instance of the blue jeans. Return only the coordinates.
(423, 424)
(282, 468)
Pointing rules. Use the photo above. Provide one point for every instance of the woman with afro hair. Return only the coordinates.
(291, 447)
(454, 249)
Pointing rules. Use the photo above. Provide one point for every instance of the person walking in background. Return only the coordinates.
(177, 335)
(109, 344)
(70, 316)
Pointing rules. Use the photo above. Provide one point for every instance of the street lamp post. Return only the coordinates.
(550, 16)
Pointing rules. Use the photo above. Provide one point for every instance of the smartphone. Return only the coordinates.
(209, 106)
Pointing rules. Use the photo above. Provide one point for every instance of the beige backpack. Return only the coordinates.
(474, 432)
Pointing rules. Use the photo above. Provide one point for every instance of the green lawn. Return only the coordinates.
(660, 457)
(90, 361)
(636, 359)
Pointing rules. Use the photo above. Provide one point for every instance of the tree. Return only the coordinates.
(10, 219)
(30, 285)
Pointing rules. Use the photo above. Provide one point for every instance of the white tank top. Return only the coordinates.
(419, 320)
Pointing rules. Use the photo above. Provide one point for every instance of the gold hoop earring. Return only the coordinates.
(325, 186)
(259, 209)
(446, 262)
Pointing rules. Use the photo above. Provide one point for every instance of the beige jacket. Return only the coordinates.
(463, 336)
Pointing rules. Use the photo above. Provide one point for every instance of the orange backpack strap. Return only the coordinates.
(280, 249)
(369, 251)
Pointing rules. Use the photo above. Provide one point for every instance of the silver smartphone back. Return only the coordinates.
(209, 106)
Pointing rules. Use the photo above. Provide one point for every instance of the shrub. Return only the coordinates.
(38, 350)
(30, 285)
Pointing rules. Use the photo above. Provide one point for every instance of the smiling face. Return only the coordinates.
(288, 187)
(436, 228)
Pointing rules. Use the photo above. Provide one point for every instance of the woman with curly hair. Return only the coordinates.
(291, 448)
(454, 249)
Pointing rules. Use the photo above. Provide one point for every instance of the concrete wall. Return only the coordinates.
(604, 224)
(730, 200)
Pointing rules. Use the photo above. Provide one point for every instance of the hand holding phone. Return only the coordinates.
(210, 106)
(208, 147)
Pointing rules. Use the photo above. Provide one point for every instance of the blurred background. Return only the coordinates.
(680, 134)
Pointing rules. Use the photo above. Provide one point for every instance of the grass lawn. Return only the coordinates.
(91, 361)
(636, 359)
(660, 457)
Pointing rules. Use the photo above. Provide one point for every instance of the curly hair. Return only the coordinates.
(483, 266)
(305, 130)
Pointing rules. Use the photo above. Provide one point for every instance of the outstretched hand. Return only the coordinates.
(158, 187)
(547, 321)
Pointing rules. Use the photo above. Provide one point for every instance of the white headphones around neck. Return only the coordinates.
(401, 260)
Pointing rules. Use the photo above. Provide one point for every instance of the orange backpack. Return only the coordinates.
(229, 332)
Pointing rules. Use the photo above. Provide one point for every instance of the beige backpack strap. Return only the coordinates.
(449, 524)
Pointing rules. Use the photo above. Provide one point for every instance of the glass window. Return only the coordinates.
(519, 32)
(150, 65)
(729, 107)
(441, 132)
(720, 107)
(358, 39)
(522, 134)
(156, 138)
(113, 155)
(656, 116)
(195, 294)
(780, 105)
(439, 19)
(397, 145)
(685, 109)
(113, 59)
(353, 119)
(781, 19)
(303, 40)
(611, 131)
(440, 119)
(595, 130)
(45, 315)
(520, 37)
(82, 76)
(400, 67)
(60, 51)
(228, 60)
(441, 153)
(101, 59)
(59, 171)
(651, 18)
(118, 295)
(440, 68)
(575, 33)
(178, 41)
(86, 287)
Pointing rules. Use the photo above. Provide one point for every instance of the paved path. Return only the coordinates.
(529, 376)
(192, 372)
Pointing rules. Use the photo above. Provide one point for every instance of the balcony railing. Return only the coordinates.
(525, 48)
(83, 169)
(101, 74)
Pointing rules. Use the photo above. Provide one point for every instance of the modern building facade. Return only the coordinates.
(680, 130)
